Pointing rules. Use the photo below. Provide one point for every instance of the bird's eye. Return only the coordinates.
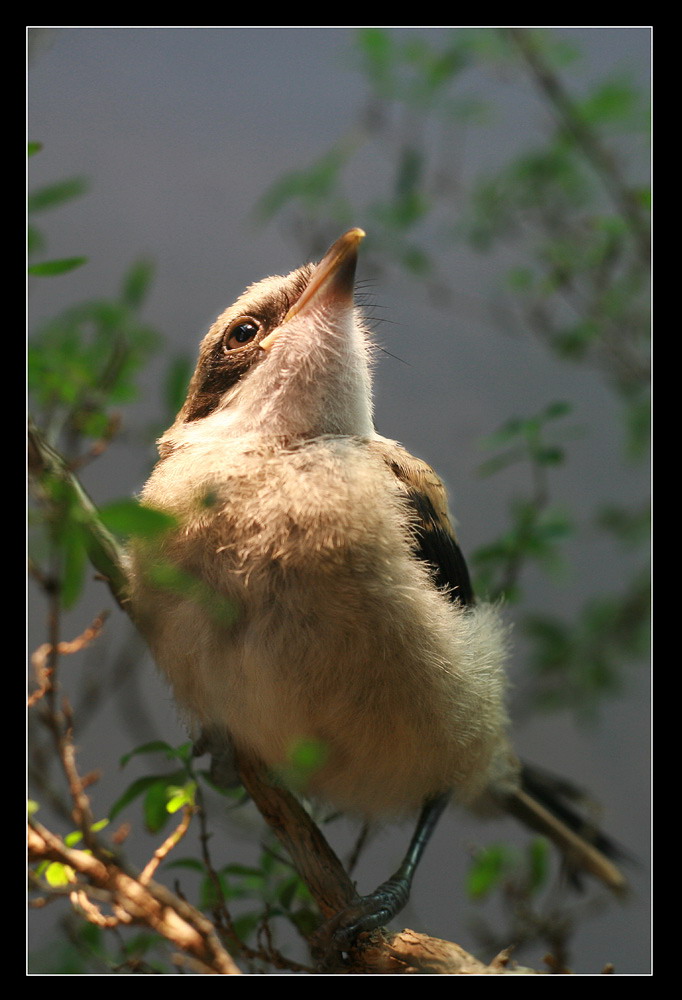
(240, 334)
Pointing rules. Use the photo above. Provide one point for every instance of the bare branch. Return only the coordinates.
(169, 843)
(40, 659)
(314, 859)
(150, 904)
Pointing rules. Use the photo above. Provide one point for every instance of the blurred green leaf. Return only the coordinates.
(632, 526)
(34, 240)
(579, 662)
(183, 752)
(180, 796)
(53, 195)
(58, 874)
(177, 380)
(376, 46)
(304, 759)
(155, 802)
(87, 360)
(128, 518)
(487, 870)
(613, 100)
(74, 566)
(538, 863)
(136, 283)
(51, 268)
(140, 787)
(167, 576)
(247, 924)
(288, 891)
(34, 147)
(189, 864)
(559, 408)
(311, 186)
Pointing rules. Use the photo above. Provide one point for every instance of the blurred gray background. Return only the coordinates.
(180, 131)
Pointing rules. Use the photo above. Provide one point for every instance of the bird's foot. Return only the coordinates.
(368, 913)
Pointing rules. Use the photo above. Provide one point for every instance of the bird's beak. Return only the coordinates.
(331, 282)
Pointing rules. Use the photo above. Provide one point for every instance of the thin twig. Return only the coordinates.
(45, 652)
(167, 846)
(151, 904)
(569, 117)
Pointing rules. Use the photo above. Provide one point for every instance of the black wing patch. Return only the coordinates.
(437, 546)
(435, 540)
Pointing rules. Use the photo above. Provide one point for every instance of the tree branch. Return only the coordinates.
(106, 555)
(585, 137)
(150, 904)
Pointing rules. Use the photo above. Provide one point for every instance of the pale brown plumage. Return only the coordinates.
(345, 615)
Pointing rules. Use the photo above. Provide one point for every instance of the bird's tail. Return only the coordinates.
(550, 806)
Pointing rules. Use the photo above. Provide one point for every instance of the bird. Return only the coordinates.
(312, 592)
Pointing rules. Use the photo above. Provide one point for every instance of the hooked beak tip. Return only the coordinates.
(332, 281)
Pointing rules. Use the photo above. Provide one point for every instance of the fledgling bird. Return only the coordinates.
(324, 599)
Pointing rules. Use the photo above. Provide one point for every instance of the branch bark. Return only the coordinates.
(150, 904)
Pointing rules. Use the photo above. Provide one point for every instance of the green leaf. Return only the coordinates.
(304, 759)
(416, 261)
(136, 283)
(611, 101)
(288, 891)
(312, 186)
(549, 455)
(158, 746)
(376, 45)
(50, 268)
(520, 279)
(211, 896)
(137, 789)
(177, 379)
(179, 797)
(34, 240)
(538, 863)
(632, 527)
(167, 576)
(557, 409)
(74, 565)
(190, 864)
(155, 802)
(487, 870)
(54, 195)
(244, 870)
(643, 197)
(305, 920)
(128, 518)
(140, 945)
(58, 874)
(34, 147)
(247, 924)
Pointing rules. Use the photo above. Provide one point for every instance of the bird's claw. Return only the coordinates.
(367, 914)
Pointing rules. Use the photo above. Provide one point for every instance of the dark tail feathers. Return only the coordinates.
(556, 809)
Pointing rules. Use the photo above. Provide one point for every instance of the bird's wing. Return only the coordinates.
(436, 542)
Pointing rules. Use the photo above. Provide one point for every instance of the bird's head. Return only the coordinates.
(290, 358)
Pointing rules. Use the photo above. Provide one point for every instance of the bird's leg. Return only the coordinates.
(390, 897)
(217, 743)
